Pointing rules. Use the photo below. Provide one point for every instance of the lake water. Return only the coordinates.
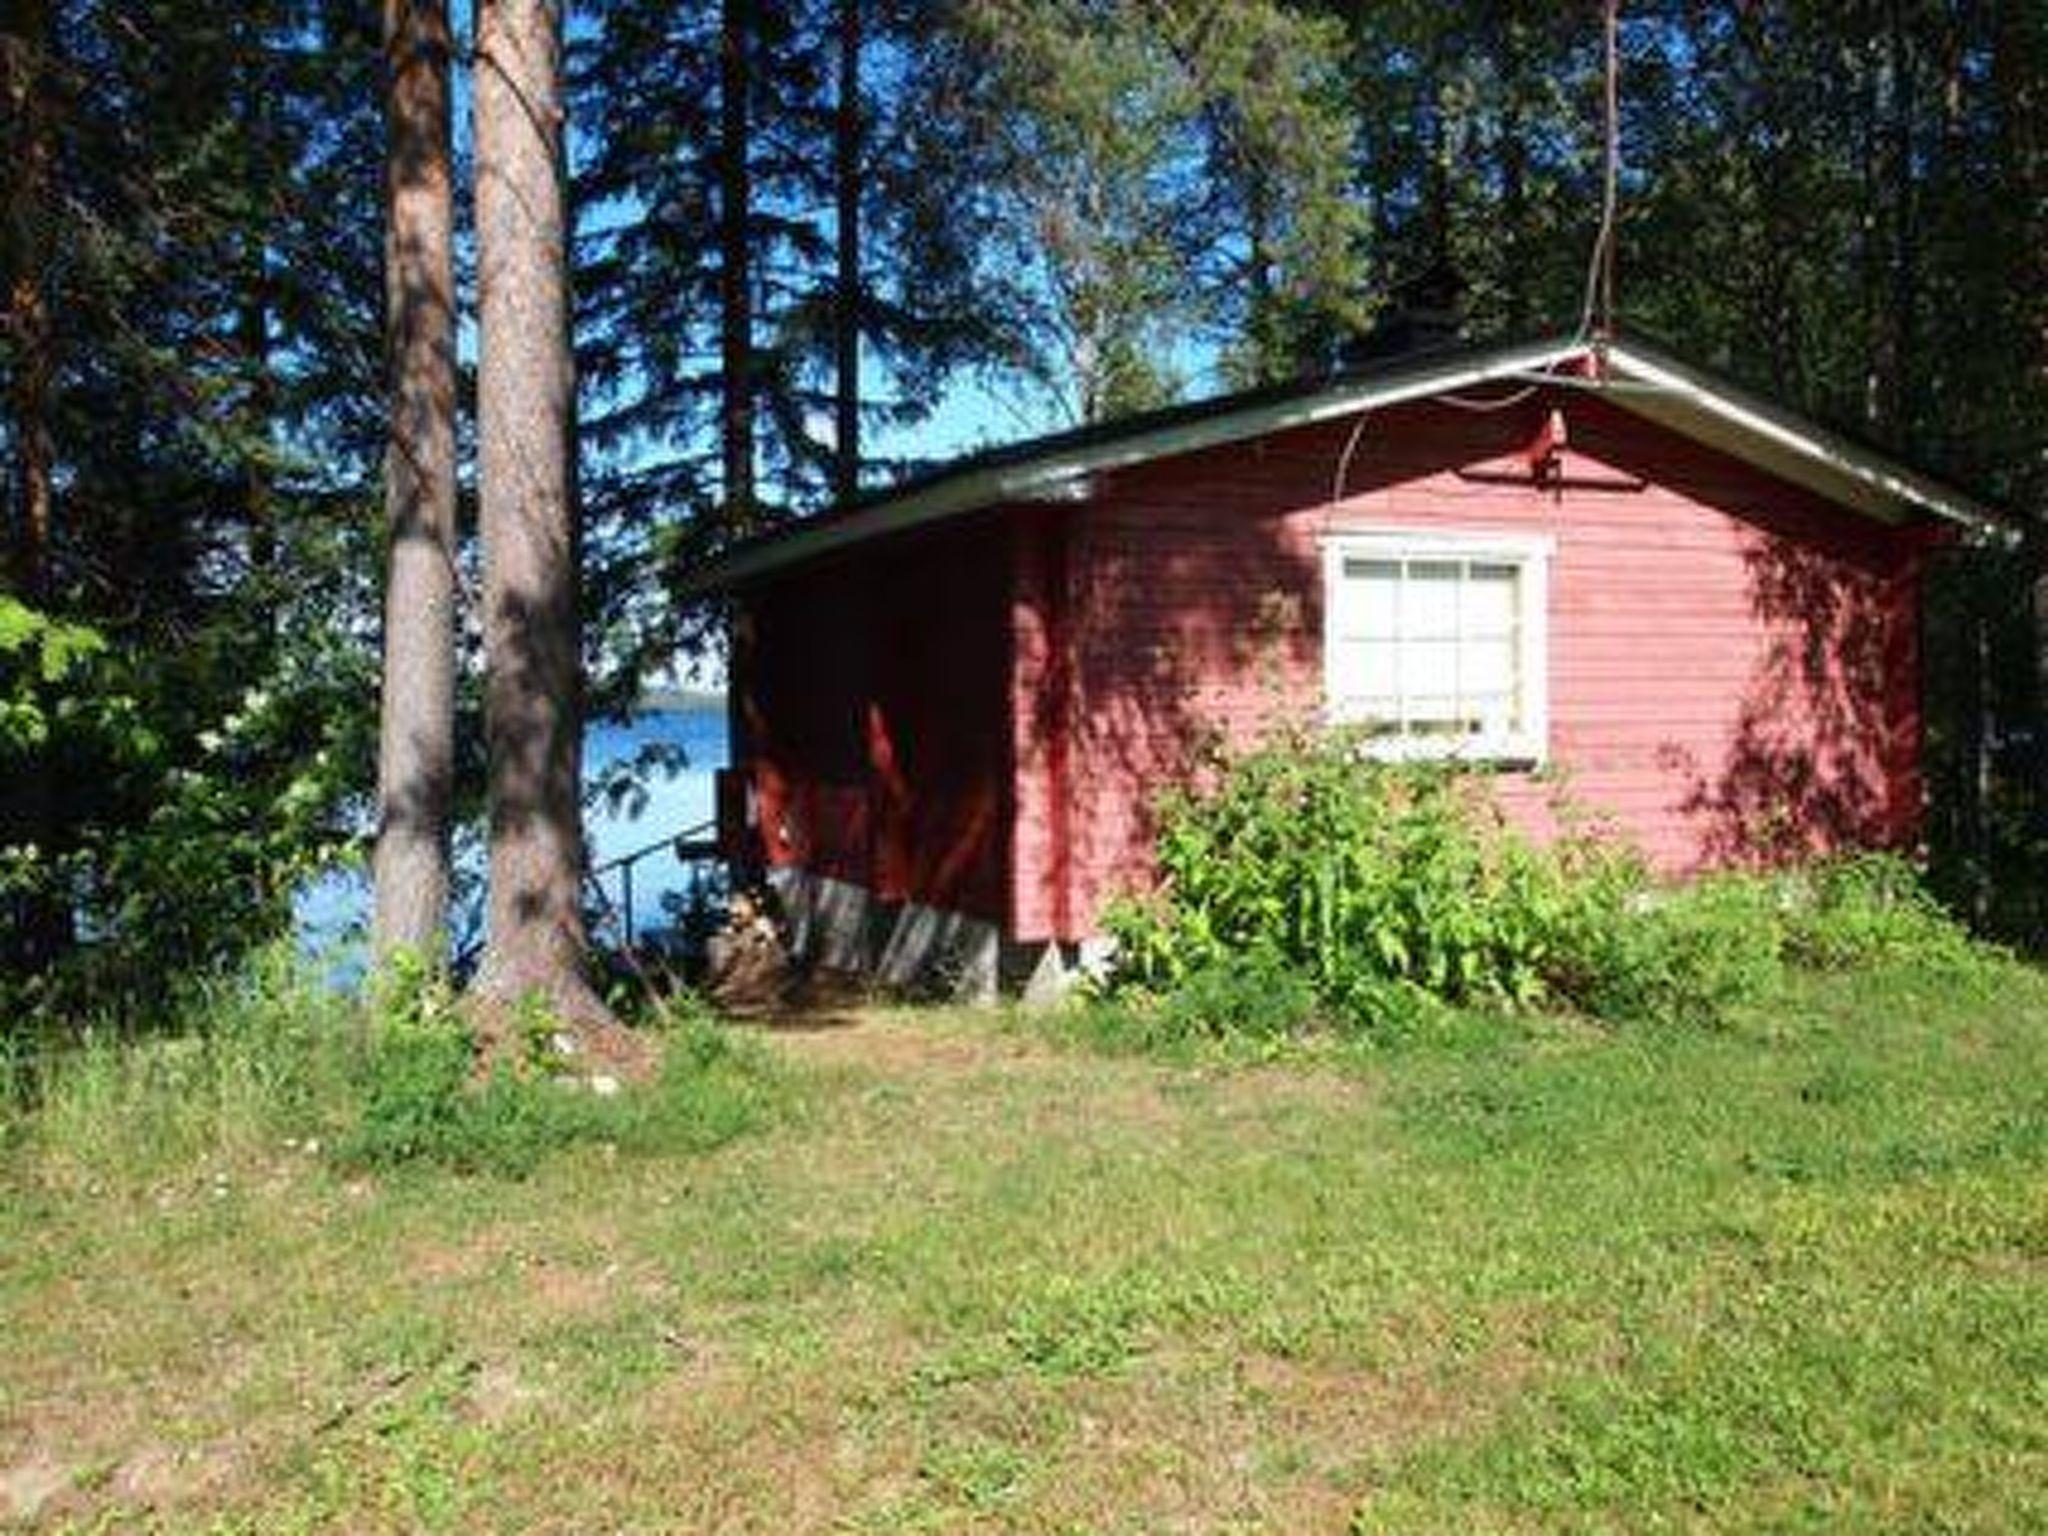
(333, 912)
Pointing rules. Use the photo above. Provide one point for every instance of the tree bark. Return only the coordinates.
(736, 323)
(1902, 329)
(1261, 319)
(2019, 58)
(42, 919)
(536, 948)
(846, 137)
(28, 63)
(416, 741)
(1514, 162)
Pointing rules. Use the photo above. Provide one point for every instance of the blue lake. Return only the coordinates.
(334, 910)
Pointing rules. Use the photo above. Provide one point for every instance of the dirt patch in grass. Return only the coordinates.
(34, 1485)
(897, 1042)
(160, 1477)
(441, 1263)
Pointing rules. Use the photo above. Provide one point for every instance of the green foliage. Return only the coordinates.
(1873, 909)
(1260, 1002)
(1261, 997)
(1306, 880)
(38, 654)
(1691, 954)
(1098, 123)
(269, 1057)
(1375, 881)
(153, 828)
(185, 704)
(423, 1100)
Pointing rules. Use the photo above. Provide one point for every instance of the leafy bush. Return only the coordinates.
(1684, 955)
(159, 805)
(1304, 878)
(1869, 909)
(269, 1059)
(1380, 885)
(1260, 997)
(421, 1098)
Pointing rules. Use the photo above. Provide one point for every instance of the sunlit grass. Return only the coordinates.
(1793, 1272)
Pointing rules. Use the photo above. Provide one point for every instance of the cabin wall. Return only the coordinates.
(1732, 662)
(870, 721)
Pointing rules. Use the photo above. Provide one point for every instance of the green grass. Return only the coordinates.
(1789, 1274)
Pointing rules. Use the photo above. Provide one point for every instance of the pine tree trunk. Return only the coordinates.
(1514, 162)
(29, 41)
(256, 76)
(416, 742)
(43, 922)
(1261, 327)
(846, 140)
(736, 327)
(2019, 60)
(526, 492)
(1902, 338)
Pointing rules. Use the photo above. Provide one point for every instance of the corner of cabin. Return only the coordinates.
(870, 722)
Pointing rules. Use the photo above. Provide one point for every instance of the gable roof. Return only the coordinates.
(1637, 378)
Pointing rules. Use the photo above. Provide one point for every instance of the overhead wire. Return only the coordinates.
(1344, 459)
(1596, 312)
(1498, 403)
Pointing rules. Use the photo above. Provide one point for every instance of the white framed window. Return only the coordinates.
(1434, 645)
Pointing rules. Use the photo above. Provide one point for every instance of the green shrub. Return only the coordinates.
(1350, 870)
(1259, 996)
(1388, 889)
(1872, 909)
(269, 1059)
(421, 1100)
(1689, 954)
(1304, 880)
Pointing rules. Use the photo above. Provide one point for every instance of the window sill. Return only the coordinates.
(1511, 756)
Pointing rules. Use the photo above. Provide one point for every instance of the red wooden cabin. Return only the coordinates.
(954, 705)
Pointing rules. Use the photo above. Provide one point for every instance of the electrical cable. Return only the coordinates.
(1500, 403)
(1596, 313)
(1344, 459)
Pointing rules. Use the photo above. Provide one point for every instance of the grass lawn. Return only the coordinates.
(1792, 1274)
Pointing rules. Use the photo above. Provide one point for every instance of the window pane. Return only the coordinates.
(1429, 600)
(1369, 598)
(1488, 666)
(1429, 666)
(1429, 648)
(1495, 713)
(1437, 715)
(1361, 667)
(1380, 714)
(1492, 599)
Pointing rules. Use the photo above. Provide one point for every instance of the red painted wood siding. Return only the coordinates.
(1732, 661)
(870, 716)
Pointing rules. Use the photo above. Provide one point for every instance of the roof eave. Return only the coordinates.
(1044, 478)
(1693, 405)
(1794, 448)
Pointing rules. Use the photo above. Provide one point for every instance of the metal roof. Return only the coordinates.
(1635, 377)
